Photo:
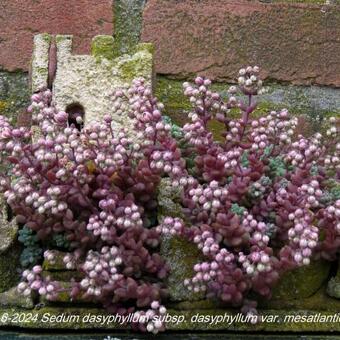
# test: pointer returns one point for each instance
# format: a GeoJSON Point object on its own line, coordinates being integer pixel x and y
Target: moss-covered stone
{"type": "Point", "coordinates": [8, 227]}
{"type": "Point", "coordinates": [61, 275]}
{"type": "Point", "coordinates": [9, 265]}
{"type": "Point", "coordinates": [64, 296]}
{"type": "Point", "coordinates": [102, 47]}
{"type": "Point", "coordinates": [302, 282]}
{"type": "Point", "coordinates": [169, 200]}
{"type": "Point", "coordinates": [333, 286]}
{"type": "Point", "coordinates": [140, 63]}
{"type": "Point", "coordinates": [320, 301]}
{"type": "Point", "coordinates": [128, 24]}
{"type": "Point", "coordinates": [57, 264]}
{"type": "Point", "coordinates": [11, 298]}
{"type": "Point", "coordinates": [181, 256]}
{"type": "Point", "coordinates": [40, 61]}
{"type": "Point", "coordinates": [14, 94]}
{"type": "Point", "coordinates": [9, 249]}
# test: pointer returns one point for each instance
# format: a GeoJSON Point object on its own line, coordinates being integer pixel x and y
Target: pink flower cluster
{"type": "Point", "coordinates": [33, 281]}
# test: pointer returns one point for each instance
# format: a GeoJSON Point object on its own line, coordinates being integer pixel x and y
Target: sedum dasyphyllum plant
{"type": "Point", "coordinates": [263, 201]}
{"type": "Point", "coordinates": [94, 191]}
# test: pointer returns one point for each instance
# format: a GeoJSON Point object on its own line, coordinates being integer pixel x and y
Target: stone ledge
{"type": "Point", "coordinates": [46, 319]}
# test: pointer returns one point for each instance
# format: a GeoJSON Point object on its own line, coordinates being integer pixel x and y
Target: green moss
{"type": "Point", "coordinates": [9, 265]}
{"type": "Point", "coordinates": [170, 93]}
{"type": "Point", "coordinates": [66, 275]}
{"type": "Point", "coordinates": [11, 298]}
{"type": "Point", "coordinates": [181, 256]}
{"type": "Point", "coordinates": [147, 47]}
{"type": "Point", "coordinates": [61, 37]}
{"type": "Point", "coordinates": [302, 282]}
{"type": "Point", "coordinates": [216, 128]}
{"type": "Point", "coordinates": [102, 47]}
{"type": "Point", "coordinates": [57, 264]}
{"type": "Point", "coordinates": [3, 107]}
{"type": "Point", "coordinates": [14, 94]}
{"type": "Point", "coordinates": [63, 298]}
{"type": "Point", "coordinates": [320, 301]}
{"type": "Point", "coordinates": [169, 200]}
{"type": "Point", "coordinates": [128, 25]}
{"type": "Point", "coordinates": [177, 105]}
{"type": "Point", "coordinates": [46, 37]}
{"type": "Point", "coordinates": [135, 65]}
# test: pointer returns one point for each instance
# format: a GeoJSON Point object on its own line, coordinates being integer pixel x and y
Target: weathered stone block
{"type": "Point", "coordinates": [60, 275]}
{"type": "Point", "coordinates": [63, 297]}
{"type": "Point", "coordinates": [11, 298]}
{"type": "Point", "coordinates": [102, 47]}
{"type": "Point", "coordinates": [57, 264]}
{"type": "Point", "coordinates": [9, 249]}
{"type": "Point", "coordinates": [9, 264]}
{"type": "Point", "coordinates": [180, 255]}
{"type": "Point", "coordinates": [169, 200]}
{"type": "Point", "coordinates": [128, 24]}
{"type": "Point", "coordinates": [302, 282]}
{"type": "Point", "coordinates": [333, 286]}
{"type": "Point", "coordinates": [8, 227]}
{"type": "Point", "coordinates": [14, 96]}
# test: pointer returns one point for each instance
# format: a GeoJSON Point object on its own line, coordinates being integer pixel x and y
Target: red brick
{"type": "Point", "coordinates": [298, 43]}
{"type": "Point", "coordinates": [20, 20]}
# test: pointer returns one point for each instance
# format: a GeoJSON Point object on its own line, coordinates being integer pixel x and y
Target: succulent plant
{"type": "Point", "coordinates": [258, 200]}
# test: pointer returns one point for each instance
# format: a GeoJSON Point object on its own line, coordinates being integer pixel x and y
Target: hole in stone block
{"type": "Point", "coordinates": [74, 111]}
{"type": "Point", "coordinates": [9, 213]}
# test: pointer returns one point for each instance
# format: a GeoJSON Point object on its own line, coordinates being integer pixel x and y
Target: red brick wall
{"type": "Point", "coordinates": [297, 43]}
{"type": "Point", "coordinates": [21, 19]}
